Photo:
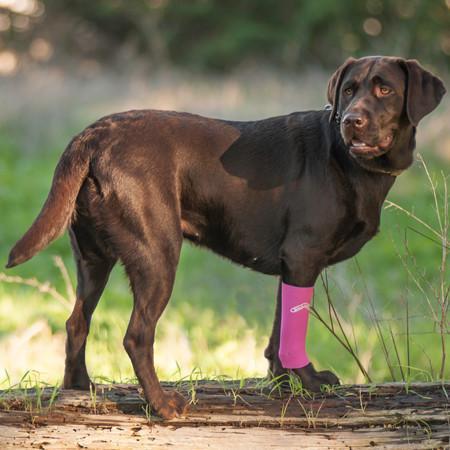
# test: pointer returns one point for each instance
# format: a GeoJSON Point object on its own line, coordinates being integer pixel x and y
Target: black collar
{"type": "Point", "coordinates": [337, 116]}
{"type": "Point", "coordinates": [369, 168]}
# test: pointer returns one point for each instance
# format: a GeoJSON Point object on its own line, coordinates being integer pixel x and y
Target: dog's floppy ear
{"type": "Point", "coordinates": [424, 91]}
{"type": "Point", "coordinates": [334, 86]}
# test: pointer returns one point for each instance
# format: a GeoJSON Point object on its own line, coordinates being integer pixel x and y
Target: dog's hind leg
{"type": "Point", "coordinates": [151, 268]}
{"type": "Point", "coordinates": [93, 267]}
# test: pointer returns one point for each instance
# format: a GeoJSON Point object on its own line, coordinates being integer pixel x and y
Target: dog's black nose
{"type": "Point", "coordinates": [357, 120]}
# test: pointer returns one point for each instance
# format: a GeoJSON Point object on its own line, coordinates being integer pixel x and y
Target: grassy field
{"type": "Point", "coordinates": [219, 317]}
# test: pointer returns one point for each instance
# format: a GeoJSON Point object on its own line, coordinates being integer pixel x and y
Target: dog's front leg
{"type": "Point", "coordinates": [291, 317]}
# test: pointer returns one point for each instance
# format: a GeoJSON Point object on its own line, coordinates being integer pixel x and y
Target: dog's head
{"type": "Point", "coordinates": [378, 98]}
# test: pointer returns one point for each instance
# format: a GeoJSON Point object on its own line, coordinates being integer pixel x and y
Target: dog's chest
{"type": "Point", "coordinates": [356, 229]}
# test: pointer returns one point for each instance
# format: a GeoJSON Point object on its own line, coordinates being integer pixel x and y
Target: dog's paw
{"type": "Point", "coordinates": [172, 405]}
{"type": "Point", "coordinates": [328, 378]}
{"type": "Point", "coordinates": [313, 380]}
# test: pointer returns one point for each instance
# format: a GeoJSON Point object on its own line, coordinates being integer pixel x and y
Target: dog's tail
{"type": "Point", "coordinates": [57, 211]}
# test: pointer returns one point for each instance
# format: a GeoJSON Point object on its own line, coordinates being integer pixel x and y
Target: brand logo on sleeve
{"type": "Point", "coordinates": [298, 308]}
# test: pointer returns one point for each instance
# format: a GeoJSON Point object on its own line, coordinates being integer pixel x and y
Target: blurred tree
{"type": "Point", "coordinates": [219, 35]}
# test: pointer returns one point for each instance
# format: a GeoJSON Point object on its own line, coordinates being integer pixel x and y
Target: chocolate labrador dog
{"type": "Point", "coordinates": [285, 196]}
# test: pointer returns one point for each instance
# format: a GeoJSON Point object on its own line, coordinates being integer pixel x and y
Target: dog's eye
{"type": "Point", "coordinates": [384, 90]}
{"type": "Point", "coordinates": [348, 91]}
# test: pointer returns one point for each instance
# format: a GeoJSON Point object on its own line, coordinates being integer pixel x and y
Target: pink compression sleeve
{"type": "Point", "coordinates": [295, 303]}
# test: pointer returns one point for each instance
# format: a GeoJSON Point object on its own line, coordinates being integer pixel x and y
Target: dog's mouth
{"type": "Point", "coordinates": [359, 148]}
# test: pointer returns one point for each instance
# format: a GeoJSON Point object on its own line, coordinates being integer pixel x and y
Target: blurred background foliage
{"type": "Point", "coordinates": [221, 35]}
{"type": "Point", "coordinates": [63, 64]}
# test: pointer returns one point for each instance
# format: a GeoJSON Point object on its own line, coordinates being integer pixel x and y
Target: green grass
{"type": "Point", "coordinates": [220, 315]}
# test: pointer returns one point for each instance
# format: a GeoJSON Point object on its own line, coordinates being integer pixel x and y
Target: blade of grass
{"type": "Point", "coordinates": [376, 322]}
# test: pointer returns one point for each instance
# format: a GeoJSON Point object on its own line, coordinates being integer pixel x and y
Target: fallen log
{"type": "Point", "coordinates": [230, 414]}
